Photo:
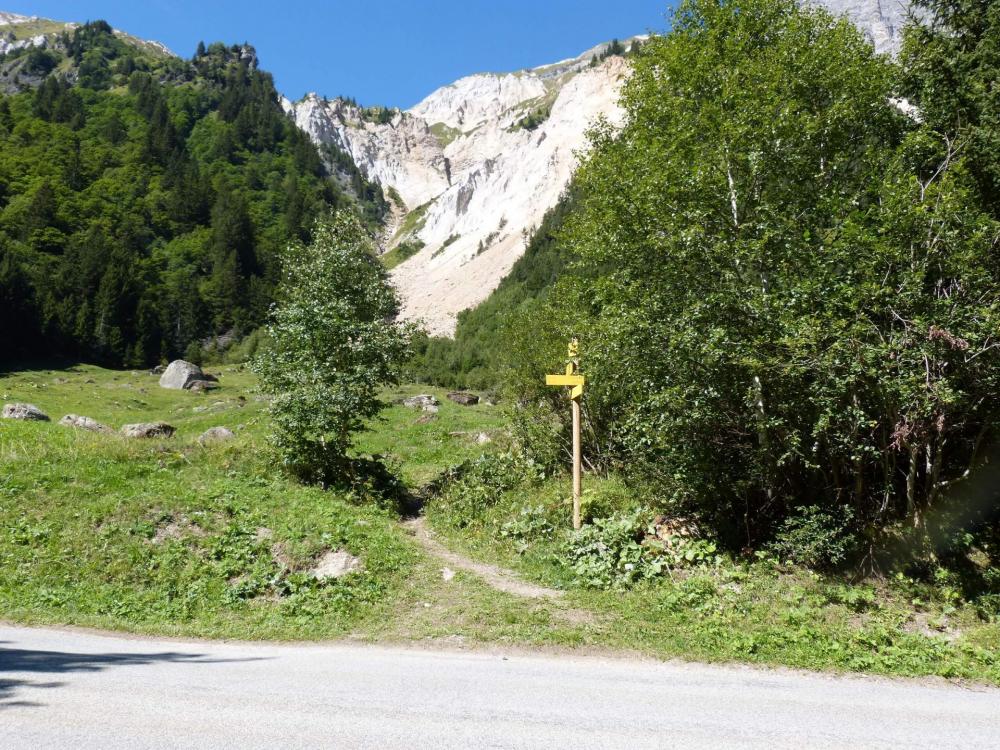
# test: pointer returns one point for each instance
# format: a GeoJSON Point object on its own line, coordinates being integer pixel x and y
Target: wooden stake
{"type": "Point", "coordinates": [574, 381]}
{"type": "Point", "coordinates": [577, 469]}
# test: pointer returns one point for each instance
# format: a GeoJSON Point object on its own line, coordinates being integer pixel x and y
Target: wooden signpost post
{"type": "Point", "coordinates": [574, 380]}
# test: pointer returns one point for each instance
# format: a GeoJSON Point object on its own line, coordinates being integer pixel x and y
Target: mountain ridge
{"type": "Point", "coordinates": [475, 166]}
{"type": "Point", "coordinates": [471, 169]}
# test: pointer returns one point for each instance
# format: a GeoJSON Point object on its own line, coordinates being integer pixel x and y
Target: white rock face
{"type": "Point", "coordinates": [478, 179]}
{"type": "Point", "coordinates": [474, 100]}
{"type": "Point", "coordinates": [9, 44]}
{"type": "Point", "coordinates": [12, 19]}
{"type": "Point", "coordinates": [881, 21]}
{"type": "Point", "coordinates": [403, 154]}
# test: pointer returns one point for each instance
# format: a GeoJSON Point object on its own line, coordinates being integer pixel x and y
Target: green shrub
{"type": "Point", "coordinates": [331, 345]}
{"type": "Point", "coordinates": [784, 334]}
{"type": "Point", "coordinates": [609, 552]}
{"type": "Point", "coordinates": [815, 537]}
{"type": "Point", "coordinates": [531, 524]}
{"type": "Point", "coordinates": [474, 487]}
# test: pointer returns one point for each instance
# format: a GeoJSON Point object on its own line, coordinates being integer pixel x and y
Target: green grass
{"type": "Point", "coordinates": [757, 612]}
{"type": "Point", "coordinates": [39, 27]}
{"type": "Point", "coordinates": [421, 446]}
{"type": "Point", "coordinates": [401, 253]}
{"type": "Point", "coordinates": [174, 538]}
{"type": "Point", "coordinates": [444, 133]}
{"type": "Point", "coordinates": [167, 536]}
{"type": "Point", "coordinates": [413, 222]}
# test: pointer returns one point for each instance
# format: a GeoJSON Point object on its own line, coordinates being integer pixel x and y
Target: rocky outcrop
{"type": "Point", "coordinates": [148, 430]}
{"type": "Point", "coordinates": [216, 435]}
{"type": "Point", "coordinates": [20, 32]}
{"type": "Point", "coordinates": [463, 398]}
{"type": "Point", "coordinates": [475, 181]}
{"type": "Point", "coordinates": [336, 564]}
{"type": "Point", "coordinates": [423, 402]}
{"type": "Point", "coordinates": [84, 423]}
{"type": "Point", "coordinates": [473, 178]}
{"type": "Point", "coordinates": [26, 412]}
{"type": "Point", "coordinates": [180, 374]}
{"type": "Point", "coordinates": [881, 21]}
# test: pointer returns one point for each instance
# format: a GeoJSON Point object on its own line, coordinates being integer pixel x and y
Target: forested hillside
{"type": "Point", "coordinates": [144, 198]}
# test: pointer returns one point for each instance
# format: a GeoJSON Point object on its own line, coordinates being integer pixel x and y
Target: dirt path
{"type": "Point", "coordinates": [496, 577]}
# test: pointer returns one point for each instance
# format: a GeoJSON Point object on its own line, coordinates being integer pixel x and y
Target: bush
{"type": "Point", "coordinates": [609, 553]}
{"type": "Point", "coordinates": [331, 344]}
{"type": "Point", "coordinates": [531, 524]}
{"type": "Point", "coordinates": [816, 538]}
{"type": "Point", "coordinates": [475, 486]}
{"type": "Point", "coordinates": [820, 332]}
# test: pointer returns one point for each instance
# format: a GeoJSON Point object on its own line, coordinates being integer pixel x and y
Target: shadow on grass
{"type": "Point", "coordinates": [20, 661]}
{"type": "Point", "coordinates": [370, 479]}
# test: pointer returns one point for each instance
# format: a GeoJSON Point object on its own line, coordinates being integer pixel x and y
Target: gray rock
{"type": "Point", "coordinates": [28, 412]}
{"type": "Point", "coordinates": [84, 423]}
{"type": "Point", "coordinates": [201, 386]}
{"type": "Point", "coordinates": [882, 23]}
{"type": "Point", "coordinates": [179, 373]}
{"type": "Point", "coordinates": [216, 435]}
{"type": "Point", "coordinates": [463, 398]}
{"type": "Point", "coordinates": [336, 564]}
{"type": "Point", "coordinates": [148, 430]}
{"type": "Point", "coordinates": [423, 401]}
{"type": "Point", "coordinates": [158, 370]}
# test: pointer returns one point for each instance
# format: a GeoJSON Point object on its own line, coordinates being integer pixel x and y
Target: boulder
{"type": "Point", "coordinates": [210, 376]}
{"type": "Point", "coordinates": [158, 370]}
{"type": "Point", "coordinates": [148, 430]}
{"type": "Point", "coordinates": [336, 564]}
{"type": "Point", "coordinates": [423, 401]}
{"type": "Point", "coordinates": [216, 435]}
{"type": "Point", "coordinates": [28, 412]}
{"type": "Point", "coordinates": [200, 386]}
{"type": "Point", "coordinates": [84, 423]}
{"type": "Point", "coordinates": [179, 373]}
{"type": "Point", "coordinates": [463, 398]}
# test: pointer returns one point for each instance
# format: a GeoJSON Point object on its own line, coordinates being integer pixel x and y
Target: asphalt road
{"type": "Point", "coordinates": [80, 690]}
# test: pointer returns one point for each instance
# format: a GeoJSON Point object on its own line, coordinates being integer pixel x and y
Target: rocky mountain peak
{"type": "Point", "coordinates": [474, 167]}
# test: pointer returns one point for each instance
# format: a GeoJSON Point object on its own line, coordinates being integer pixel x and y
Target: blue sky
{"type": "Point", "coordinates": [392, 52]}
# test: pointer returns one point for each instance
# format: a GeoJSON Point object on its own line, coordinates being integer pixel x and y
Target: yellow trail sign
{"type": "Point", "coordinates": [575, 381]}
{"type": "Point", "coordinates": [564, 380]}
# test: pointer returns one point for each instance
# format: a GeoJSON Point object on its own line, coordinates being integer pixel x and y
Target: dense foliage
{"type": "Point", "coordinates": [951, 65]}
{"type": "Point", "coordinates": [144, 199]}
{"type": "Point", "coordinates": [787, 289]}
{"type": "Point", "coordinates": [331, 346]}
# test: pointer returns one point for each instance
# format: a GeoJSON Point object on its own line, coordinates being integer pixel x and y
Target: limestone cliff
{"type": "Point", "coordinates": [476, 165]}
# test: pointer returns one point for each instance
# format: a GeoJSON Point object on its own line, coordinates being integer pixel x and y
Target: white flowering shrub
{"type": "Point", "coordinates": [332, 342]}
